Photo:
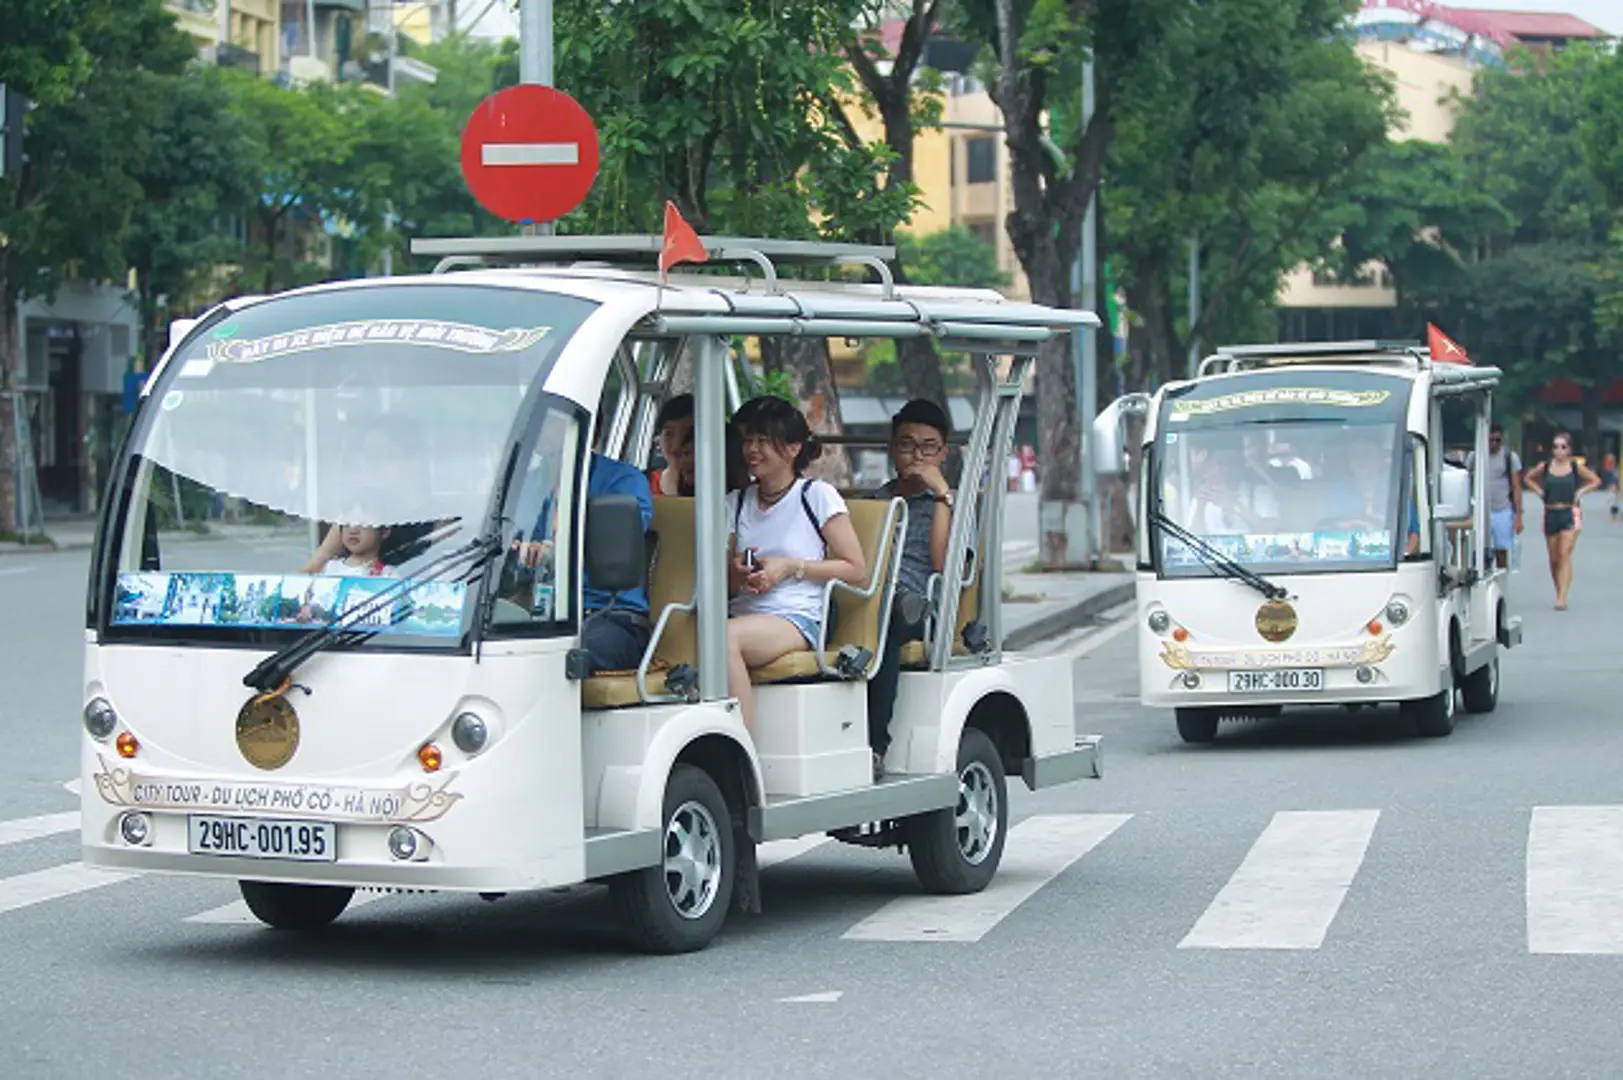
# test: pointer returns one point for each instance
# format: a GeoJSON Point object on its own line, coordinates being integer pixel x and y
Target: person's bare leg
{"type": "Point", "coordinates": [754, 641]}
{"type": "Point", "coordinates": [1566, 542]}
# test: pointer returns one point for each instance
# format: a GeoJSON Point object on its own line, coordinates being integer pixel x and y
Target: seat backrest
{"type": "Point", "coordinates": [857, 618]}
{"type": "Point", "coordinates": [672, 579]}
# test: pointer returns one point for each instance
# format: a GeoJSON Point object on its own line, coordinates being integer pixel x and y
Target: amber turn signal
{"type": "Point", "coordinates": [431, 757]}
{"type": "Point", "coordinates": [1374, 626]}
{"type": "Point", "coordinates": [127, 746]}
{"type": "Point", "coordinates": [1180, 634]}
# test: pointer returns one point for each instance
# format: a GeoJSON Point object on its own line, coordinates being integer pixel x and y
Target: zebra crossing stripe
{"type": "Point", "coordinates": [1036, 851]}
{"type": "Point", "coordinates": [19, 830]}
{"type": "Point", "coordinates": [1575, 880]}
{"type": "Point", "coordinates": [52, 883]}
{"type": "Point", "coordinates": [1291, 885]}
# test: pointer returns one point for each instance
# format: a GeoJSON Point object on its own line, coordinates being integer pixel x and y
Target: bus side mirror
{"type": "Point", "coordinates": [178, 329]}
{"type": "Point", "coordinates": [616, 547]}
{"type": "Point", "coordinates": [1109, 454]}
{"type": "Point", "coordinates": [1454, 494]}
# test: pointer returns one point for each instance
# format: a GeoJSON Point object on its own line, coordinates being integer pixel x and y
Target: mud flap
{"type": "Point", "coordinates": [747, 882]}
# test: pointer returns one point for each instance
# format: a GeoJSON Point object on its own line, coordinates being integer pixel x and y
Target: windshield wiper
{"type": "Point", "coordinates": [1215, 559]}
{"type": "Point", "coordinates": [272, 672]}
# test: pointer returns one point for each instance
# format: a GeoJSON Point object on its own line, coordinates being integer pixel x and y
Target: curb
{"type": "Point", "coordinates": [1069, 617]}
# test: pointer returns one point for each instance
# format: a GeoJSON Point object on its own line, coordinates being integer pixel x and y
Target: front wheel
{"type": "Point", "coordinates": [956, 850]}
{"type": "Point", "coordinates": [1197, 725]}
{"type": "Point", "coordinates": [295, 907]}
{"type": "Point", "coordinates": [1480, 689]}
{"type": "Point", "coordinates": [679, 905]}
{"type": "Point", "coordinates": [1433, 717]}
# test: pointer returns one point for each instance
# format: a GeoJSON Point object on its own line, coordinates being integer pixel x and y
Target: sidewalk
{"type": "Point", "coordinates": [1038, 606]}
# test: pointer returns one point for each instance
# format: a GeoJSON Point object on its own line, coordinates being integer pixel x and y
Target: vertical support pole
{"type": "Point", "coordinates": [1194, 303]}
{"type": "Point", "coordinates": [710, 512]}
{"type": "Point", "coordinates": [535, 64]}
{"type": "Point", "coordinates": [309, 26]}
{"type": "Point", "coordinates": [222, 28]}
{"type": "Point", "coordinates": [973, 498]}
{"type": "Point", "coordinates": [1085, 345]}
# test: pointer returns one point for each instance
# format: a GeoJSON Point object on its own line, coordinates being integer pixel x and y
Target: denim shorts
{"type": "Point", "coordinates": [808, 627]}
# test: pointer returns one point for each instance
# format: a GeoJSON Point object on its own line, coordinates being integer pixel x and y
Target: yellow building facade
{"type": "Point", "coordinates": [255, 28]}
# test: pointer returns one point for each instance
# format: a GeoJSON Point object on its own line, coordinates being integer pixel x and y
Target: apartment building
{"type": "Point", "coordinates": [236, 33]}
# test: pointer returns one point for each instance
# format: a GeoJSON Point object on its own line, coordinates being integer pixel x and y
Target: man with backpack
{"type": "Point", "coordinates": [1504, 495]}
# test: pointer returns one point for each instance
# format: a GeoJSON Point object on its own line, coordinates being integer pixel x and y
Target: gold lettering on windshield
{"type": "Point", "coordinates": [1283, 395]}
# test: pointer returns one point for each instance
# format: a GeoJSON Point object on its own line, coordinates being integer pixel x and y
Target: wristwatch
{"type": "Point", "coordinates": [944, 497]}
{"type": "Point", "coordinates": [800, 570]}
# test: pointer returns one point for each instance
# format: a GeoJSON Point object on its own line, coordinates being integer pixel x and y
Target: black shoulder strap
{"type": "Point", "coordinates": [811, 516]}
{"type": "Point", "coordinates": [738, 510]}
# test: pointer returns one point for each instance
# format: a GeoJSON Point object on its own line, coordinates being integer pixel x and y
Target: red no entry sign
{"type": "Point", "coordinates": [529, 153]}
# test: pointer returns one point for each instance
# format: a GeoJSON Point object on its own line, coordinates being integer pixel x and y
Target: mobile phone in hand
{"type": "Point", "coordinates": [750, 562]}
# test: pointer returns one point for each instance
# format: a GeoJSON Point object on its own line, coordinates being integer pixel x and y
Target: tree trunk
{"type": "Point", "coordinates": [921, 371]}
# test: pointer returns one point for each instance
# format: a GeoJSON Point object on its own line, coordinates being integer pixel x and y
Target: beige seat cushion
{"type": "Point", "coordinates": [857, 619]}
{"type": "Point", "coordinates": [671, 582]}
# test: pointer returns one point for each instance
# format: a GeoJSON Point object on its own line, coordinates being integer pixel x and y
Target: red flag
{"type": "Point", "coordinates": [681, 243]}
{"type": "Point", "coordinates": [1444, 349]}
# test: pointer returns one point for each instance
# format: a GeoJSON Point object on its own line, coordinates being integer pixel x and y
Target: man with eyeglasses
{"type": "Point", "coordinates": [918, 449]}
{"type": "Point", "coordinates": [1504, 494]}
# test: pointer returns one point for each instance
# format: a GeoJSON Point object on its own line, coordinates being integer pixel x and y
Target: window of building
{"type": "Point", "coordinates": [981, 152]}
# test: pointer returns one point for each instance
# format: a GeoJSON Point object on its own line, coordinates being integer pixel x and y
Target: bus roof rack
{"type": "Point", "coordinates": [1372, 350]}
{"type": "Point", "coordinates": [640, 250]}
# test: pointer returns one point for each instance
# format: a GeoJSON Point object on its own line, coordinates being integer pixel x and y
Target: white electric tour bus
{"type": "Point", "coordinates": [255, 714]}
{"type": "Point", "coordinates": [1302, 540]}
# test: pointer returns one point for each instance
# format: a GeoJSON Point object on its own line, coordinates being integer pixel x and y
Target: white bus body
{"type": "Point", "coordinates": [451, 740]}
{"type": "Point", "coordinates": [1299, 595]}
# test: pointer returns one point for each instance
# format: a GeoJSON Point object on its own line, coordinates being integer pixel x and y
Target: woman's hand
{"type": "Point", "coordinates": [769, 571]}
{"type": "Point", "coordinates": [532, 554]}
{"type": "Point", "coordinates": [738, 574]}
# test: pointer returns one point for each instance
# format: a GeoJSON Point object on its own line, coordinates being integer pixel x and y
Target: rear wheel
{"type": "Point", "coordinates": [1197, 725]}
{"type": "Point", "coordinates": [1480, 689]}
{"type": "Point", "coordinates": [679, 905]}
{"type": "Point", "coordinates": [956, 850]}
{"type": "Point", "coordinates": [295, 907]}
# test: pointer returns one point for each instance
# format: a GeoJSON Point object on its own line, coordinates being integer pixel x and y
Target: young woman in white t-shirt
{"type": "Point", "coordinates": [789, 536]}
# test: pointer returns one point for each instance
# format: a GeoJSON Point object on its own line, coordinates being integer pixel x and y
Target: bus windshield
{"type": "Point", "coordinates": [1285, 474]}
{"type": "Point", "coordinates": [303, 454]}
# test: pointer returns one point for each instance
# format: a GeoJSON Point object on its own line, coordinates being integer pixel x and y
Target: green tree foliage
{"type": "Point", "coordinates": [953, 256]}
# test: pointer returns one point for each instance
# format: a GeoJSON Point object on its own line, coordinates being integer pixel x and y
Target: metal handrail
{"type": "Point", "coordinates": [896, 513]}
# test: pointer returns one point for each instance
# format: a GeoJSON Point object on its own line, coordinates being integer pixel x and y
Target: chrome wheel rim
{"type": "Point", "coordinates": [976, 816]}
{"type": "Point", "coordinates": [692, 860]}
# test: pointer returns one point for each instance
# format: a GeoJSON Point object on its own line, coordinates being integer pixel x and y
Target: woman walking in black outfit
{"type": "Point", "coordinates": [1561, 483]}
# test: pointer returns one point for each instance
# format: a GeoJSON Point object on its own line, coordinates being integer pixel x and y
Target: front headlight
{"type": "Point", "coordinates": [1159, 621]}
{"type": "Point", "coordinates": [1397, 612]}
{"type": "Point", "coordinates": [100, 718]}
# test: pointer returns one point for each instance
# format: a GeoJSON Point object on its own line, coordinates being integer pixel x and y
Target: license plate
{"type": "Point", "coordinates": [263, 838]}
{"type": "Point", "coordinates": [1241, 682]}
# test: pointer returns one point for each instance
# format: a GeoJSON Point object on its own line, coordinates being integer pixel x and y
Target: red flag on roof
{"type": "Point", "coordinates": [1444, 349]}
{"type": "Point", "coordinates": [681, 243]}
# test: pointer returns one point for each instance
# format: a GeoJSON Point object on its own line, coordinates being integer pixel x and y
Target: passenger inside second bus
{"type": "Point", "coordinates": [675, 428]}
{"type": "Point", "coordinates": [789, 536]}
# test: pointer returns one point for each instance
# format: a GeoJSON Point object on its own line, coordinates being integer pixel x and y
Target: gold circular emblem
{"type": "Point", "coordinates": [268, 732]}
{"type": "Point", "coordinates": [1276, 621]}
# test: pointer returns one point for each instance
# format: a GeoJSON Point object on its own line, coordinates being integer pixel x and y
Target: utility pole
{"type": "Point", "coordinates": [1194, 302]}
{"type": "Point", "coordinates": [535, 63]}
{"type": "Point", "coordinates": [1085, 345]}
{"type": "Point", "coordinates": [222, 28]}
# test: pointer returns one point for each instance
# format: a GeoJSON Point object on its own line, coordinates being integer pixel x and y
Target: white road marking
{"type": "Point", "coordinates": [13, 571]}
{"type": "Point", "coordinates": [52, 883]}
{"type": "Point", "coordinates": [236, 913]}
{"type": "Point", "coordinates": [1291, 884]}
{"type": "Point", "coordinates": [1575, 880]}
{"type": "Point", "coordinates": [825, 997]}
{"type": "Point", "coordinates": [529, 154]}
{"type": "Point", "coordinates": [71, 786]}
{"type": "Point", "coordinates": [1037, 850]}
{"type": "Point", "coordinates": [18, 830]}
{"type": "Point", "coordinates": [780, 851]}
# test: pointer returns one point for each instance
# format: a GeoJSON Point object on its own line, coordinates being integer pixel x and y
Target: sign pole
{"type": "Point", "coordinates": [535, 65]}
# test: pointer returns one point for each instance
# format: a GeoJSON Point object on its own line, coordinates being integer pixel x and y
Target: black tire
{"type": "Point", "coordinates": [949, 848]}
{"type": "Point", "coordinates": [1197, 725]}
{"type": "Point", "coordinates": [1479, 691]}
{"type": "Point", "coordinates": [295, 907]}
{"type": "Point", "coordinates": [663, 909]}
{"type": "Point", "coordinates": [1432, 717]}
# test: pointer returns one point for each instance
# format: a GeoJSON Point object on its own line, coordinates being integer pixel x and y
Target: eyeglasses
{"type": "Point", "coordinates": [927, 448]}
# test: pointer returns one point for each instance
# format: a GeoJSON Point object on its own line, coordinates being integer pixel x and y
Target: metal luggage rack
{"type": "Point", "coordinates": [1230, 358]}
{"type": "Point", "coordinates": [641, 252]}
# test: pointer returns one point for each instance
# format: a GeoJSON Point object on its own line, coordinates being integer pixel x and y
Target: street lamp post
{"type": "Point", "coordinates": [1085, 345]}
{"type": "Point", "coordinates": [535, 62]}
